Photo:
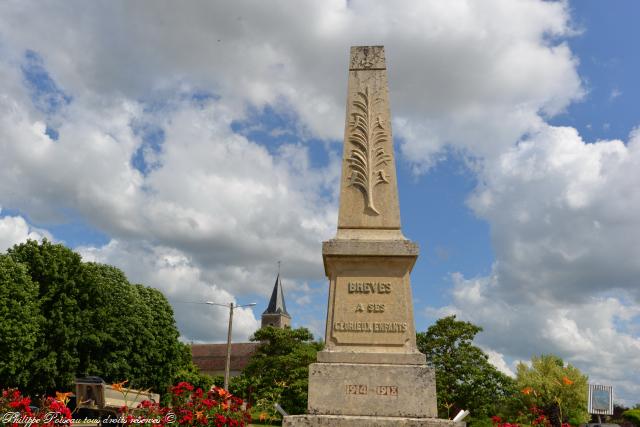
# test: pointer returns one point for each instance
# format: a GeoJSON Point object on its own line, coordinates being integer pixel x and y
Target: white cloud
{"type": "Point", "coordinates": [497, 360]}
{"type": "Point", "coordinates": [264, 53]}
{"type": "Point", "coordinates": [563, 212]}
{"type": "Point", "coordinates": [15, 230]}
{"type": "Point", "coordinates": [565, 233]}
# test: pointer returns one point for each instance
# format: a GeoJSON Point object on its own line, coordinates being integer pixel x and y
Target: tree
{"type": "Point", "coordinates": [92, 321]}
{"type": "Point", "coordinates": [55, 269]}
{"type": "Point", "coordinates": [559, 390]}
{"type": "Point", "coordinates": [279, 369]}
{"type": "Point", "coordinates": [464, 377]}
{"type": "Point", "coordinates": [21, 320]}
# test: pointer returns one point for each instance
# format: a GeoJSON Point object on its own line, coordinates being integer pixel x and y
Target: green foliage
{"type": "Point", "coordinates": [559, 390]}
{"type": "Point", "coordinates": [278, 371]}
{"type": "Point", "coordinates": [464, 377]}
{"type": "Point", "coordinates": [479, 421]}
{"type": "Point", "coordinates": [633, 416]}
{"type": "Point", "coordinates": [90, 321]}
{"type": "Point", "coordinates": [56, 270]}
{"type": "Point", "coordinates": [190, 373]}
{"type": "Point", "coordinates": [20, 324]}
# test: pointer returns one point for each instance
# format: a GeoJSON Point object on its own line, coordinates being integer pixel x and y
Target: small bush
{"type": "Point", "coordinates": [633, 416]}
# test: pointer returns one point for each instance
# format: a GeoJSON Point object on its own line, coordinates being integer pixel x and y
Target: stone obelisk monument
{"type": "Point", "coordinates": [370, 372]}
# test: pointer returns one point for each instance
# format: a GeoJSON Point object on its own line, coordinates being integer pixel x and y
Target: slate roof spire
{"type": "Point", "coordinates": [276, 303]}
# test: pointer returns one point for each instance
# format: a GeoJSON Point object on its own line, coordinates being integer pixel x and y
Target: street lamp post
{"type": "Point", "coordinates": [227, 365]}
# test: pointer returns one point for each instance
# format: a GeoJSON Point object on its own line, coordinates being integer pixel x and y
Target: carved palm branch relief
{"type": "Point", "coordinates": [368, 160]}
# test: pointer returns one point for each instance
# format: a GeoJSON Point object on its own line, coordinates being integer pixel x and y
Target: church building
{"type": "Point", "coordinates": [276, 313]}
{"type": "Point", "coordinates": [211, 358]}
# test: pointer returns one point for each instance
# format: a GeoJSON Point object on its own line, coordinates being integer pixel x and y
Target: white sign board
{"type": "Point", "coordinates": [600, 399]}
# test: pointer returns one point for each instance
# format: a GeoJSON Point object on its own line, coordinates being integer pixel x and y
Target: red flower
{"type": "Point", "coordinates": [23, 403]}
{"type": "Point", "coordinates": [187, 416]}
{"type": "Point", "coordinates": [496, 419]}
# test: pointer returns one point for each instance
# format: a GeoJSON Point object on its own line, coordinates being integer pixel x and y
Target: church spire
{"type": "Point", "coordinates": [276, 303]}
{"type": "Point", "coordinates": [276, 313]}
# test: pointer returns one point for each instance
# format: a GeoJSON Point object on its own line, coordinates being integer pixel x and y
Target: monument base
{"type": "Point", "coordinates": [372, 389]}
{"type": "Point", "coordinates": [364, 421]}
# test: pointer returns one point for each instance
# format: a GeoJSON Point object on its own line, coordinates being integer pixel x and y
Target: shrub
{"type": "Point", "coordinates": [633, 416]}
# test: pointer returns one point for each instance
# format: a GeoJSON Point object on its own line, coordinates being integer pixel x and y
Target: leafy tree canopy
{"type": "Point", "coordinates": [464, 377]}
{"type": "Point", "coordinates": [86, 319]}
{"type": "Point", "coordinates": [279, 370]}
{"type": "Point", "coordinates": [20, 321]}
{"type": "Point", "coordinates": [559, 390]}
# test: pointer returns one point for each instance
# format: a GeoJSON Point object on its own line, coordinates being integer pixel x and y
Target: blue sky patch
{"type": "Point", "coordinates": [45, 93]}
{"type": "Point", "coordinates": [608, 68]}
{"type": "Point", "coordinates": [202, 97]}
{"type": "Point", "coordinates": [269, 126]}
{"type": "Point", "coordinates": [52, 133]}
{"type": "Point", "coordinates": [73, 232]}
{"type": "Point", "coordinates": [153, 136]}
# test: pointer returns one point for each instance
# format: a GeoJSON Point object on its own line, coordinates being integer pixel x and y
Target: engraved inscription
{"type": "Point", "coordinates": [356, 389]}
{"type": "Point", "coordinates": [368, 160]}
{"type": "Point", "coordinates": [368, 310]}
{"type": "Point", "coordinates": [376, 327]}
{"type": "Point", "coordinates": [362, 389]}
{"type": "Point", "coordinates": [387, 390]}
{"type": "Point", "coordinates": [369, 287]}
{"type": "Point", "coordinates": [371, 308]}
{"type": "Point", "coordinates": [375, 308]}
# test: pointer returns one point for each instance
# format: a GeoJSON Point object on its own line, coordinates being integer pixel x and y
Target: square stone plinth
{"type": "Point", "coordinates": [364, 421]}
{"type": "Point", "coordinates": [372, 390]}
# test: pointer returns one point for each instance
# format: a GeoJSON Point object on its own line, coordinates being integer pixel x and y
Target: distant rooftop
{"type": "Point", "coordinates": [211, 358]}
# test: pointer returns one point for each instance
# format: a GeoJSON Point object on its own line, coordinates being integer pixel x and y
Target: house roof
{"type": "Point", "coordinates": [212, 357]}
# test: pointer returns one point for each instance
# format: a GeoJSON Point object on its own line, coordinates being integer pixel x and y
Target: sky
{"type": "Point", "coordinates": [195, 145]}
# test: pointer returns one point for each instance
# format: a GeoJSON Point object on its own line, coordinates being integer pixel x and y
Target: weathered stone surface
{"type": "Point", "coordinates": [370, 307]}
{"type": "Point", "coordinates": [371, 358]}
{"type": "Point", "coordinates": [364, 421]}
{"type": "Point", "coordinates": [369, 191]}
{"type": "Point", "coordinates": [370, 247]}
{"type": "Point", "coordinates": [380, 390]}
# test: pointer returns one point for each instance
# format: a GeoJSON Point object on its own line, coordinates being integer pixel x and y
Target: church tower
{"type": "Point", "coordinates": [276, 313]}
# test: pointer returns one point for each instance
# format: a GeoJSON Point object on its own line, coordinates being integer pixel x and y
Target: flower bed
{"type": "Point", "coordinates": [16, 410]}
{"type": "Point", "coordinates": [189, 406]}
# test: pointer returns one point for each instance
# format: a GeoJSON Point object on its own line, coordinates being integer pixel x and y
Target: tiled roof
{"type": "Point", "coordinates": [212, 357]}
